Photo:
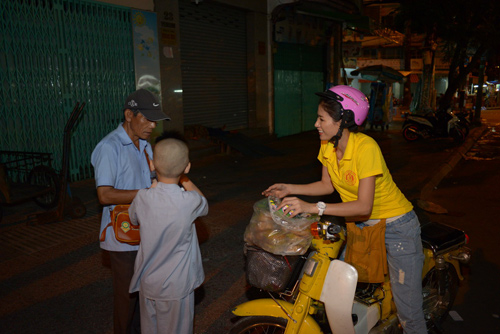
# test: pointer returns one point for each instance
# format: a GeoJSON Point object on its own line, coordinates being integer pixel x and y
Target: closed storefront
{"type": "Point", "coordinates": [299, 71]}
{"type": "Point", "coordinates": [298, 74]}
{"type": "Point", "coordinates": [213, 51]}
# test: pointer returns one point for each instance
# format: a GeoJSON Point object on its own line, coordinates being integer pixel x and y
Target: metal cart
{"type": "Point", "coordinates": [29, 175]}
{"type": "Point", "coordinates": [67, 204]}
{"type": "Point", "coordinates": [26, 176]}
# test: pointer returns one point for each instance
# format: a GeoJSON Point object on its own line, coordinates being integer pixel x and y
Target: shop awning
{"type": "Point", "coordinates": [348, 13]}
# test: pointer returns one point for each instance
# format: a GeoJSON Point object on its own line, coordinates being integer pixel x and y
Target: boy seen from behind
{"type": "Point", "coordinates": [168, 266]}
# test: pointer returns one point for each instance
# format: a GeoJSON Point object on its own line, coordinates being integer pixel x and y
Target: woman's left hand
{"type": "Point", "coordinates": [292, 206]}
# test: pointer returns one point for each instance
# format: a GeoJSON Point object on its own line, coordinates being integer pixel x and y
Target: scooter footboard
{"type": "Point", "coordinates": [268, 307]}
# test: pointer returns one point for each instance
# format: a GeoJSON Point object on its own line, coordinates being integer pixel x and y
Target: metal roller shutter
{"type": "Point", "coordinates": [54, 53]}
{"type": "Point", "coordinates": [214, 62]}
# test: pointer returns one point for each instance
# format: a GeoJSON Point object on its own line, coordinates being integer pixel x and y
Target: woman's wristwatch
{"type": "Point", "coordinates": [321, 207]}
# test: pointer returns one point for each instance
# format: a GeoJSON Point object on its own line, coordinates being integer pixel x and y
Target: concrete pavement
{"type": "Point", "coordinates": [448, 165]}
{"type": "Point", "coordinates": [54, 277]}
{"type": "Point", "coordinates": [470, 195]}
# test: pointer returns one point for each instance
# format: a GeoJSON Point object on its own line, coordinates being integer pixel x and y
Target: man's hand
{"type": "Point", "coordinates": [108, 195]}
{"type": "Point", "coordinates": [183, 179]}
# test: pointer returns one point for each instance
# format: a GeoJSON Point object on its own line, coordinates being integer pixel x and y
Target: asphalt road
{"type": "Point", "coordinates": [471, 195]}
{"type": "Point", "coordinates": [55, 279]}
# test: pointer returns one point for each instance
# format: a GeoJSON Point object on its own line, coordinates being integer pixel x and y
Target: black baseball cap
{"type": "Point", "coordinates": [147, 104]}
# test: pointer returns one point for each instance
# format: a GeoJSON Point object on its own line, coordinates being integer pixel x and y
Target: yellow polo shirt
{"type": "Point", "coordinates": [362, 159]}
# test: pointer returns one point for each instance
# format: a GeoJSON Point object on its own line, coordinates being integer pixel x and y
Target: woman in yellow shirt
{"type": "Point", "coordinates": [354, 166]}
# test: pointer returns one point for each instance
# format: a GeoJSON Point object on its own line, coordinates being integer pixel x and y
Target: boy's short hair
{"type": "Point", "coordinates": [171, 134]}
{"type": "Point", "coordinates": [171, 156]}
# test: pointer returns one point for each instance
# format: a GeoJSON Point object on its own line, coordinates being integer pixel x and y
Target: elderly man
{"type": "Point", "coordinates": [121, 165]}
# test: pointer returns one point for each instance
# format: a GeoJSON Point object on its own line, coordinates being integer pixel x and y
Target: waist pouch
{"type": "Point", "coordinates": [124, 231]}
{"type": "Point", "coordinates": [365, 251]}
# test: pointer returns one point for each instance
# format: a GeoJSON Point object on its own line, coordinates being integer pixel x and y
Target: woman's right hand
{"type": "Point", "coordinates": [278, 190]}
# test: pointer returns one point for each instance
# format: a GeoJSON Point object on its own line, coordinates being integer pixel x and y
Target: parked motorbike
{"type": "Point", "coordinates": [438, 124]}
{"type": "Point", "coordinates": [323, 296]}
{"type": "Point", "coordinates": [465, 117]}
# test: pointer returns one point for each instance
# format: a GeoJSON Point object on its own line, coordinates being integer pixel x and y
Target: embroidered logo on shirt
{"type": "Point", "coordinates": [125, 226]}
{"type": "Point", "coordinates": [350, 177]}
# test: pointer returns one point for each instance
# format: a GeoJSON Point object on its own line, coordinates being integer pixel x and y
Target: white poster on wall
{"type": "Point", "coordinates": [146, 53]}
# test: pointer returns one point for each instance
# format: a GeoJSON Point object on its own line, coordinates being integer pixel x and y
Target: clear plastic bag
{"type": "Point", "coordinates": [277, 233]}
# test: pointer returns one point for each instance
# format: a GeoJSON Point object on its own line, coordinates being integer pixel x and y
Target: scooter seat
{"type": "Point", "coordinates": [440, 238]}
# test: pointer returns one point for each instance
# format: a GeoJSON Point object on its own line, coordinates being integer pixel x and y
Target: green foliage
{"type": "Point", "coordinates": [464, 30]}
{"type": "Point", "coordinates": [465, 25]}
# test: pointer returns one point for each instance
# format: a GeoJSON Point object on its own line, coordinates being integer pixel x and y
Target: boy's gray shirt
{"type": "Point", "coordinates": [168, 264]}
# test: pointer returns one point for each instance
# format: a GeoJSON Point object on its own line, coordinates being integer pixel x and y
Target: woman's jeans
{"type": "Point", "coordinates": [405, 260]}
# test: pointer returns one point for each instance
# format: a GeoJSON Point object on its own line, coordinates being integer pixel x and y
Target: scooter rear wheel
{"type": "Point", "coordinates": [409, 132]}
{"type": "Point", "coordinates": [259, 324]}
{"type": "Point", "coordinates": [436, 307]}
{"type": "Point", "coordinates": [458, 133]}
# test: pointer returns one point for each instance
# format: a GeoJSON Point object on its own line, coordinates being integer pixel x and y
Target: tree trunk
{"type": "Point", "coordinates": [457, 74]}
{"type": "Point", "coordinates": [427, 81]}
{"type": "Point", "coordinates": [479, 95]}
{"type": "Point", "coordinates": [407, 59]}
{"type": "Point", "coordinates": [428, 73]}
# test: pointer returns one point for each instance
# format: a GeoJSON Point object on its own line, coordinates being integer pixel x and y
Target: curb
{"type": "Point", "coordinates": [452, 161]}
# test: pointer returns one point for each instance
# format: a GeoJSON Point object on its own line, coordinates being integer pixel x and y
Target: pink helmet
{"type": "Point", "coordinates": [350, 99]}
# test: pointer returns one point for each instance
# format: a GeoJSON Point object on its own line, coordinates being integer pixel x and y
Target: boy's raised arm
{"type": "Point", "coordinates": [189, 185]}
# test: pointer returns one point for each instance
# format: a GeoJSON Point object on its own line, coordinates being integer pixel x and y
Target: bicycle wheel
{"type": "Point", "coordinates": [47, 180]}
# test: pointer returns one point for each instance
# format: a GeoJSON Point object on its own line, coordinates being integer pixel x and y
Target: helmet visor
{"type": "Point", "coordinates": [328, 94]}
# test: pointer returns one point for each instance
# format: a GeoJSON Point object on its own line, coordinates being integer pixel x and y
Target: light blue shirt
{"type": "Point", "coordinates": [168, 265]}
{"type": "Point", "coordinates": [118, 163]}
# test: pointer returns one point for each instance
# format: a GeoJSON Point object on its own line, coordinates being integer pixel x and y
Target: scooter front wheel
{"type": "Point", "coordinates": [259, 324]}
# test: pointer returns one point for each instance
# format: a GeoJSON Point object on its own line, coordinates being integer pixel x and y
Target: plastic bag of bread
{"type": "Point", "coordinates": [275, 232]}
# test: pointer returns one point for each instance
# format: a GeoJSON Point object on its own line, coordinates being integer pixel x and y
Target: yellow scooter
{"type": "Point", "coordinates": [322, 294]}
